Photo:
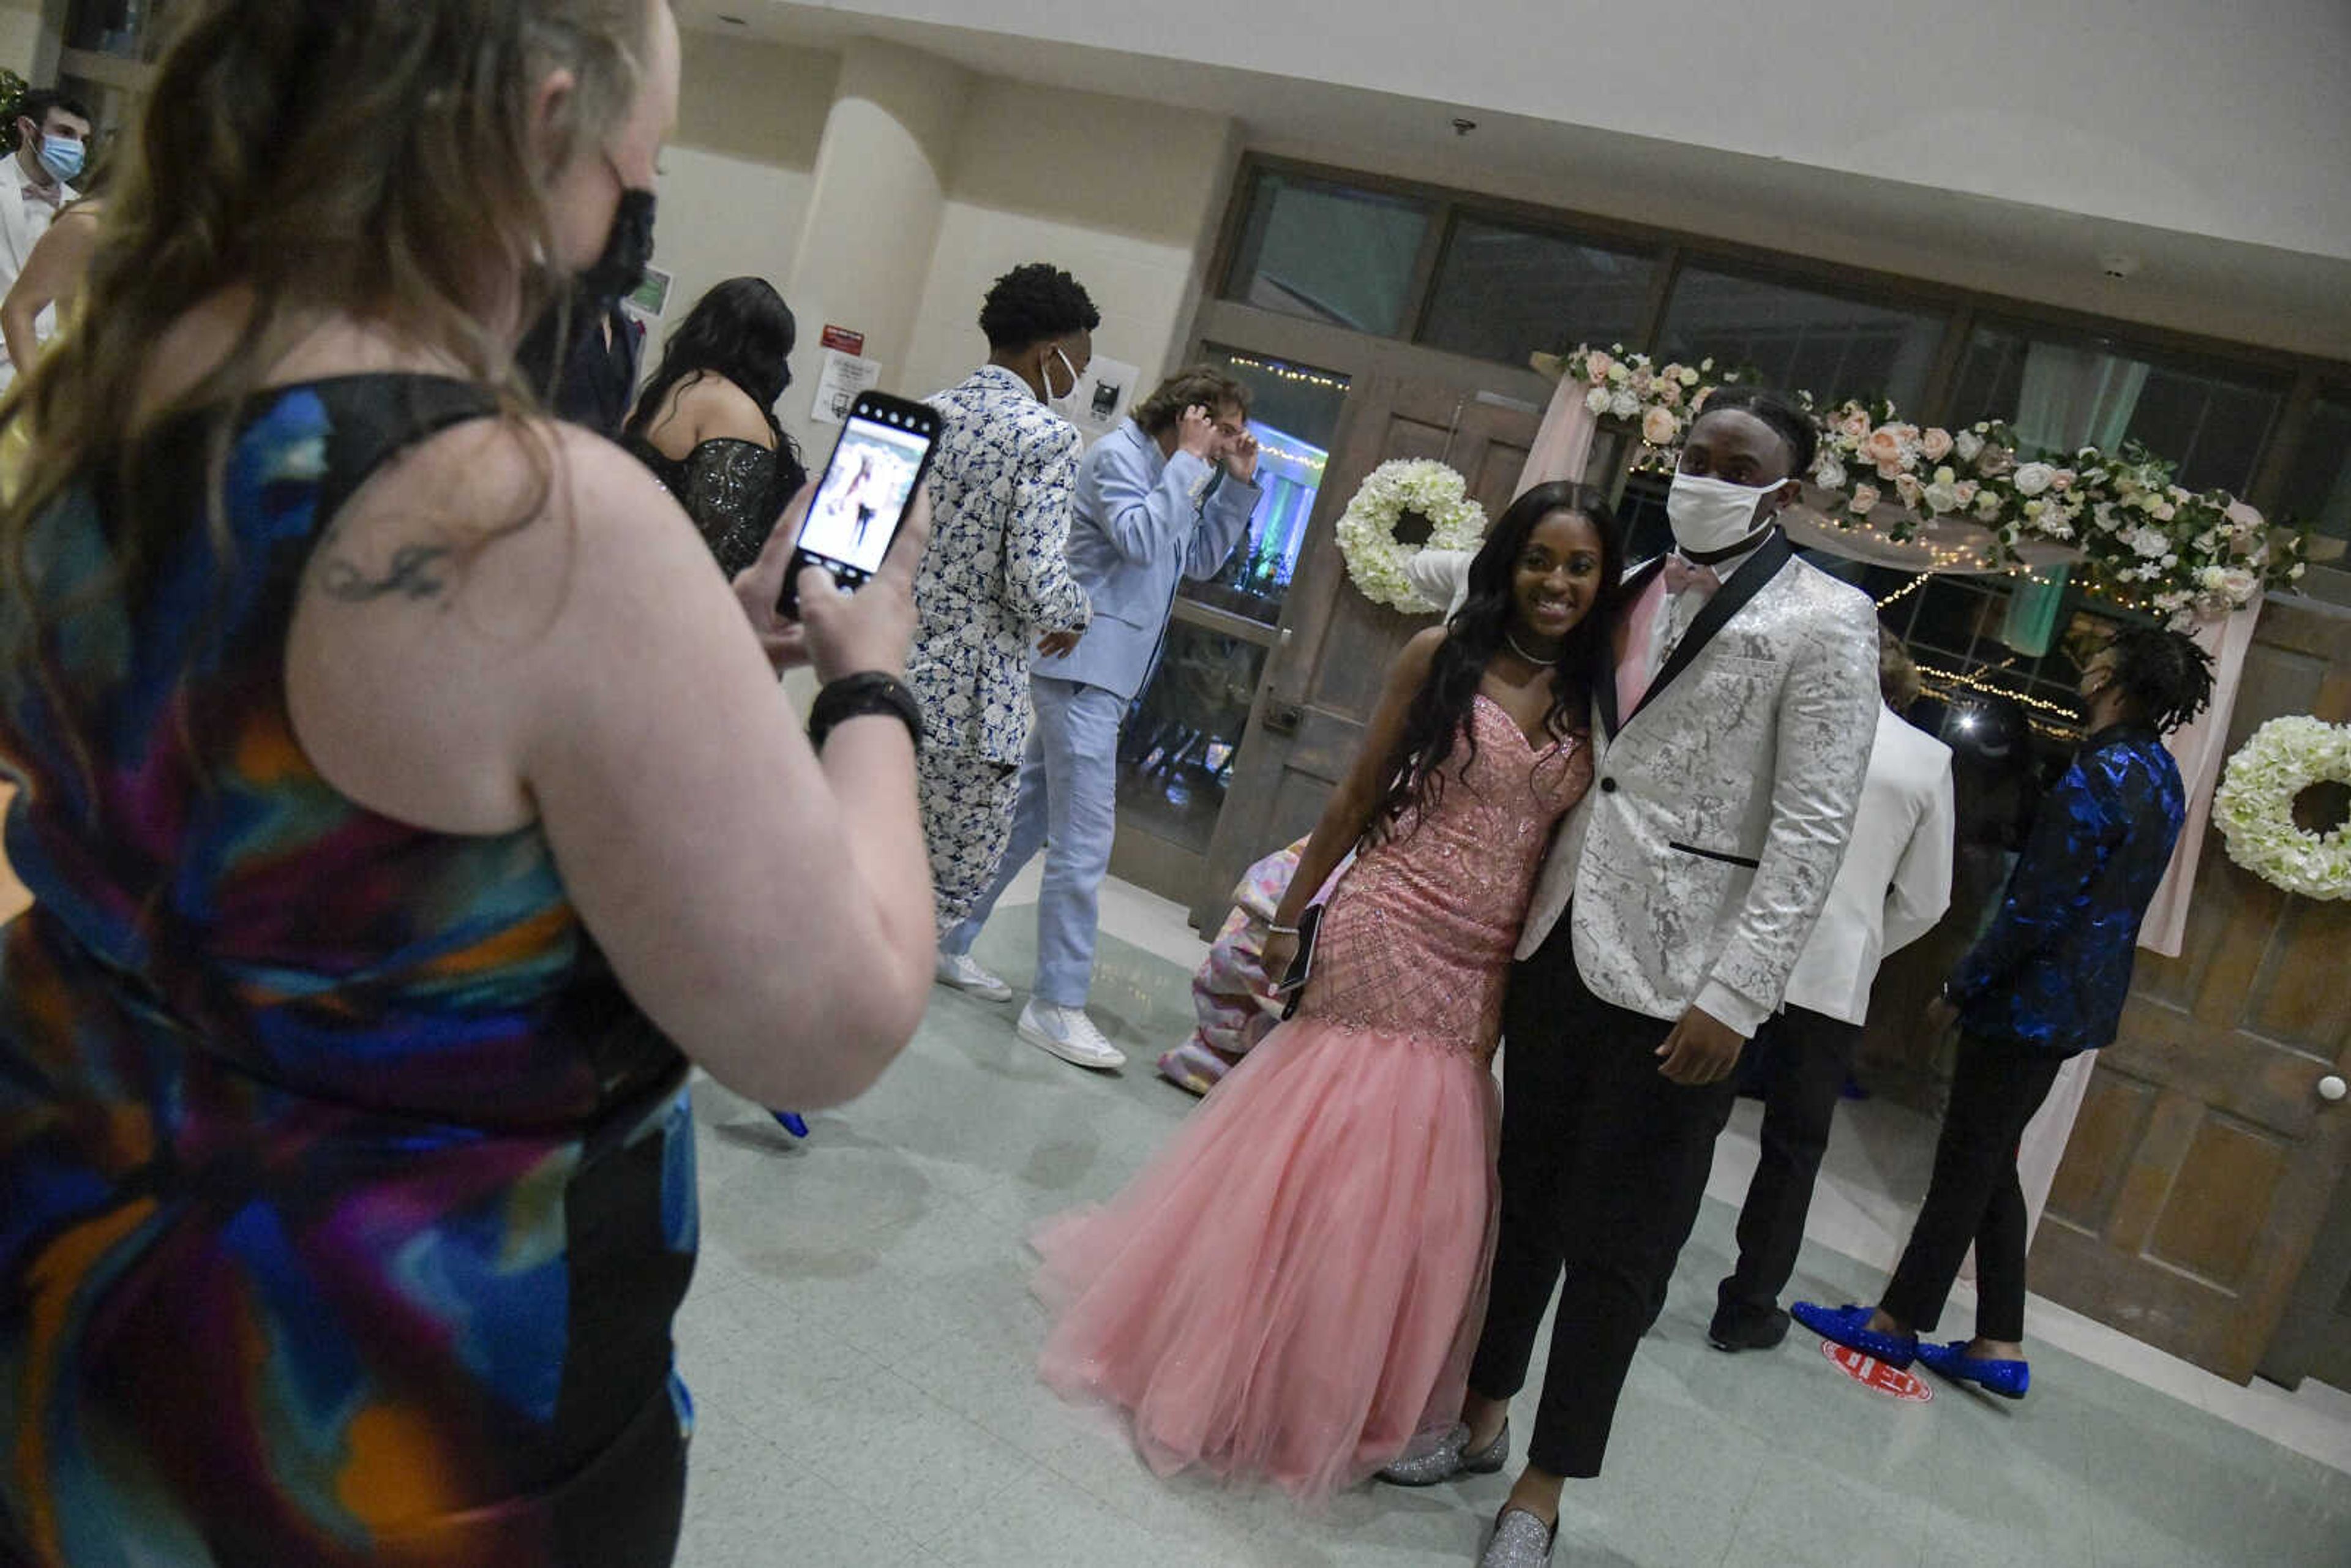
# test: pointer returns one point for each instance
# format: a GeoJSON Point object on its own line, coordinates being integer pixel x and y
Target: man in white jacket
{"type": "Point", "coordinates": [1892, 887]}
{"type": "Point", "coordinates": [36, 184]}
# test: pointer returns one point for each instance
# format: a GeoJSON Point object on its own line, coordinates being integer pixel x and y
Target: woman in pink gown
{"type": "Point", "coordinates": [1293, 1289]}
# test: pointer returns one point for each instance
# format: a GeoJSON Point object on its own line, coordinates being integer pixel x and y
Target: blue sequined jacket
{"type": "Point", "coordinates": [2053, 969]}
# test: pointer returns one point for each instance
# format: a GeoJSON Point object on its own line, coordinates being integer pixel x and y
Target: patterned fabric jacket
{"type": "Point", "coordinates": [1701, 859]}
{"type": "Point", "coordinates": [995, 577]}
{"type": "Point", "coordinates": [2055, 966]}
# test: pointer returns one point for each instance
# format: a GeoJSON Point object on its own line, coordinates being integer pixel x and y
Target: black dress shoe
{"type": "Point", "coordinates": [1736, 1328]}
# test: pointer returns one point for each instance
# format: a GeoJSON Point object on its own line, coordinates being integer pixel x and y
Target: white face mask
{"type": "Point", "coordinates": [1709, 514]}
{"type": "Point", "coordinates": [1059, 401]}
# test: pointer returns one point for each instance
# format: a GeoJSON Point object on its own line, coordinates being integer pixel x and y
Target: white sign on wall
{"type": "Point", "coordinates": [1104, 394]}
{"type": "Point", "coordinates": [838, 382]}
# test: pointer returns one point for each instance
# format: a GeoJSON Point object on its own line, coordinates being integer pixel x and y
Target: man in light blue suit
{"type": "Point", "coordinates": [1164, 497]}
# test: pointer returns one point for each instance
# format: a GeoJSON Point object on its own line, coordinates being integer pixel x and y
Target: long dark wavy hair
{"type": "Point", "coordinates": [743, 331]}
{"type": "Point", "coordinates": [1440, 710]}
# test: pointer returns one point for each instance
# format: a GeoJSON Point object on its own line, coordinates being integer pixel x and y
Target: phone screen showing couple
{"type": "Point", "coordinates": [861, 501]}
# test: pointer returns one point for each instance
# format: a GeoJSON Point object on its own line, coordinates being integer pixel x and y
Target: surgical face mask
{"type": "Point", "coordinates": [1711, 515]}
{"type": "Point", "coordinates": [61, 156]}
{"type": "Point", "coordinates": [628, 251]}
{"type": "Point", "coordinates": [1059, 401]}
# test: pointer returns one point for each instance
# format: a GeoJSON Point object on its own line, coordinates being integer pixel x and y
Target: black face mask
{"type": "Point", "coordinates": [628, 251]}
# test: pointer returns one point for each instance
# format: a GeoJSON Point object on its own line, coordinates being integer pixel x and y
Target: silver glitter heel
{"type": "Point", "coordinates": [1448, 1456]}
{"type": "Point", "coordinates": [1520, 1541]}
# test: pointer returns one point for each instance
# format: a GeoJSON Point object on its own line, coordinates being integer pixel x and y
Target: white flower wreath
{"type": "Point", "coordinates": [2254, 806]}
{"type": "Point", "coordinates": [1367, 540]}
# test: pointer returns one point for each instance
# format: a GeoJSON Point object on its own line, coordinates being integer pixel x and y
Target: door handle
{"type": "Point", "coordinates": [2332, 1088]}
{"type": "Point", "coordinates": [1283, 718]}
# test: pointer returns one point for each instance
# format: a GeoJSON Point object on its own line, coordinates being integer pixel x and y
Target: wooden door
{"type": "Point", "coordinates": [2203, 1165]}
{"type": "Point", "coordinates": [1336, 644]}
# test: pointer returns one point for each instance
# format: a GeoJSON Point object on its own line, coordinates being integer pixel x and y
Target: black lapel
{"type": "Point", "coordinates": [1634, 585]}
{"type": "Point", "coordinates": [1745, 583]}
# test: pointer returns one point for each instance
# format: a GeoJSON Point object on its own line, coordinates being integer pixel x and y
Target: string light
{"type": "Point", "coordinates": [1280, 371]}
{"type": "Point", "coordinates": [1905, 590]}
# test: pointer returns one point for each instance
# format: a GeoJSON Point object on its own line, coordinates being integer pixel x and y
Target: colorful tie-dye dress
{"type": "Point", "coordinates": [347, 1197]}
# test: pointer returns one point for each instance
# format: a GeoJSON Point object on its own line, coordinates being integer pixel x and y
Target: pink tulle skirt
{"type": "Point", "coordinates": [1293, 1287]}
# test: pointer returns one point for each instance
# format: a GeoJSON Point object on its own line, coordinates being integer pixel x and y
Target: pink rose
{"type": "Point", "coordinates": [1936, 445]}
{"type": "Point", "coordinates": [1889, 472]}
{"type": "Point", "coordinates": [1883, 446]}
{"type": "Point", "coordinates": [1669, 391]}
{"type": "Point", "coordinates": [1854, 423]}
{"type": "Point", "coordinates": [2062, 481]}
{"type": "Point", "coordinates": [1658, 427]}
{"type": "Point", "coordinates": [1864, 497]}
{"type": "Point", "coordinates": [1596, 366]}
{"type": "Point", "coordinates": [1906, 486]}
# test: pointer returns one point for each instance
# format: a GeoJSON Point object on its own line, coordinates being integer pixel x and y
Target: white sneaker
{"type": "Point", "coordinates": [1068, 1034]}
{"type": "Point", "coordinates": [962, 971]}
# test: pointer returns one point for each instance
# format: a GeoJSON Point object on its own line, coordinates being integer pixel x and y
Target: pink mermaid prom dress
{"type": "Point", "coordinates": [1293, 1289]}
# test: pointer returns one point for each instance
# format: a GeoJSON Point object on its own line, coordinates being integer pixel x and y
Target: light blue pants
{"type": "Point", "coordinates": [1068, 807]}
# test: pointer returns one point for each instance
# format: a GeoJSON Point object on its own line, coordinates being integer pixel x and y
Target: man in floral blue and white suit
{"type": "Point", "coordinates": [995, 581]}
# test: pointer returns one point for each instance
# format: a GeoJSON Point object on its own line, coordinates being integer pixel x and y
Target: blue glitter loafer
{"type": "Point", "coordinates": [1849, 1326]}
{"type": "Point", "coordinates": [2009, 1379]}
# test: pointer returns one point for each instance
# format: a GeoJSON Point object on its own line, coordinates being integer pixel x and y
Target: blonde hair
{"type": "Point", "coordinates": [370, 157]}
{"type": "Point", "coordinates": [1897, 676]}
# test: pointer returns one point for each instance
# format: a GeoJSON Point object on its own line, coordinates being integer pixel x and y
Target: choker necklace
{"type": "Point", "coordinates": [1529, 658]}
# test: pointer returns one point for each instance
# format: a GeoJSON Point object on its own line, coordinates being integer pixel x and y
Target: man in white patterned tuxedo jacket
{"type": "Point", "coordinates": [1729, 760]}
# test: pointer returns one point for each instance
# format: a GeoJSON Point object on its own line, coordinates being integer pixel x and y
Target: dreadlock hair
{"type": "Point", "coordinates": [1438, 716]}
{"type": "Point", "coordinates": [2167, 677]}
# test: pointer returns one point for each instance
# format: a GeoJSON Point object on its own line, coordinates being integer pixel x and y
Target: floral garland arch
{"type": "Point", "coordinates": [1368, 529]}
{"type": "Point", "coordinates": [2254, 808]}
{"type": "Point", "coordinates": [1972, 501]}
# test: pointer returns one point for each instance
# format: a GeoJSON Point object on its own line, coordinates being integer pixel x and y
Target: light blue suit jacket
{"type": "Point", "coordinates": [1141, 523]}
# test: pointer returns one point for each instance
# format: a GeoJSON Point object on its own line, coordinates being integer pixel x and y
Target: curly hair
{"type": "Point", "coordinates": [1783, 413]}
{"type": "Point", "coordinates": [1032, 303]}
{"type": "Point", "coordinates": [1440, 710]}
{"type": "Point", "coordinates": [2166, 675]}
{"type": "Point", "coordinates": [1202, 385]}
{"type": "Point", "coordinates": [741, 329]}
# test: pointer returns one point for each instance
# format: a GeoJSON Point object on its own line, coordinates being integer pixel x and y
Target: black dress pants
{"type": "Point", "coordinates": [1805, 1058]}
{"type": "Point", "coordinates": [1603, 1164]}
{"type": "Point", "coordinates": [1974, 1196]}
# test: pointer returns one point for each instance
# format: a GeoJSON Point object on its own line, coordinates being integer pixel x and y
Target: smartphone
{"type": "Point", "coordinates": [868, 487]}
{"type": "Point", "coordinates": [1290, 989]}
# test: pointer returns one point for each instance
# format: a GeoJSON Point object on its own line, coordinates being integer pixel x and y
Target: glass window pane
{"type": "Point", "coordinates": [2318, 484]}
{"type": "Point", "coordinates": [1504, 293]}
{"type": "Point", "coordinates": [1328, 252]}
{"type": "Point", "coordinates": [2061, 394]}
{"type": "Point", "coordinates": [1175, 751]}
{"type": "Point", "coordinates": [1294, 414]}
{"type": "Point", "coordinates": [1803, 339]}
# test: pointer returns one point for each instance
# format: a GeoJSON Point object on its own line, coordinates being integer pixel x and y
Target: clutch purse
{"type": "Point", "coordinates": [1292, 988]}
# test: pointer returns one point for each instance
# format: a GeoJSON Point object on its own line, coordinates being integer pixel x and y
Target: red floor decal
{"type": "Point", "coordinates": [1872, 1372]}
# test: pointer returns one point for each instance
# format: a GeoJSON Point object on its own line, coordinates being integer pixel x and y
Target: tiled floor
{"type": "Point", "coordinates": [860, 1340]}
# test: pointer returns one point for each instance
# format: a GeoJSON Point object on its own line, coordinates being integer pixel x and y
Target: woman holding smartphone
{"type": "Point", "coordinates": [1336, 1191]}
{"type": "Point", "coordinates": [369, 731]}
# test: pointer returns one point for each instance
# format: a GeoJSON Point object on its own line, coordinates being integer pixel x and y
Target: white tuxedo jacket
{"type": "Point", "coordinates": [21, 228]}
{"type": "Point", "coordinates": [1895, 881]}
{"type": "Point", "coordinates": [1700, 857]}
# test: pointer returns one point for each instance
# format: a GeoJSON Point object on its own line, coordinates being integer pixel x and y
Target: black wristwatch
{"type": "Point", "coordinates": [854, 696]}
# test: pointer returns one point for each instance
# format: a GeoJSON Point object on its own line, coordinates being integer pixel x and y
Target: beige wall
{"type": "Point", "coordinates": [735, 181]}
{"type": "Point", "coordinates": [2222, 121]}
{"type": "Point", "coordinates": [20, 34]}
{"type": "Point", "coordinates": [1125, 195]}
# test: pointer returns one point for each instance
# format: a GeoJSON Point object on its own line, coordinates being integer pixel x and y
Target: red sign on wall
{"type": "Point", "coordinates": [842, 339]}
{"type": "Point", "coordinates": [1871, 1372]}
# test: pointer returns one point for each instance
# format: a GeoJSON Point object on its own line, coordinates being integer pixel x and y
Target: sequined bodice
{"type": "Point", "coordinates": [1418, 938]}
